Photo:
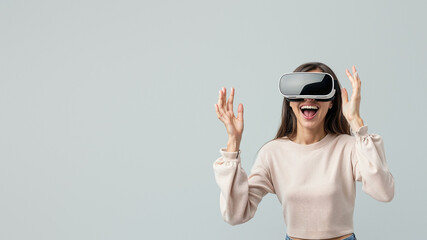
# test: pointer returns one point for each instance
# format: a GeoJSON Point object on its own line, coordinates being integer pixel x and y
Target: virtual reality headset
{"type": "Point", "coordinates": [297, 86]}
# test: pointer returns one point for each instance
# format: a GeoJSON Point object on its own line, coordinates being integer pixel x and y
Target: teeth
{"type": "Point", "coordinates": [309, 107]}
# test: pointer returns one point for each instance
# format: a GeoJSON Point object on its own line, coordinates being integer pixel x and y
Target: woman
{"type": "Point", "coordinates": [311, 165]}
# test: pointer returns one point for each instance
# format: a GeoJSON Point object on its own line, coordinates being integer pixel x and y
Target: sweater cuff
{"type": "Point", "coordinates": [229, 155]}
{"type": "Point", "coordinates": [361, 132]}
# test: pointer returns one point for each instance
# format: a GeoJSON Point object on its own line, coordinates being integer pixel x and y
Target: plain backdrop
{"type": "Point", "coordinates": [108, 127]}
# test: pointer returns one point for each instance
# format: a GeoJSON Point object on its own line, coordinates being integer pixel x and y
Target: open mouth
{"type": "Point", "coordinates": [309, 112]}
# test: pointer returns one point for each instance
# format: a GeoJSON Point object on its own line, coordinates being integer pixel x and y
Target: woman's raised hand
{"type": "Point", "coordinates": [224, 111]}
{"type": "Point", "coordinates": [351, 108]}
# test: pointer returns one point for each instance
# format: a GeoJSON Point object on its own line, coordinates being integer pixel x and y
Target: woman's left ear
{"type": "Point", "coordinates": [330, 105]}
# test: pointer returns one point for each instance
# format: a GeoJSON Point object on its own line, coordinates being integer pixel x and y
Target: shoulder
{"type": "Point", "coordinates": [344, 140]}
{"type": "Point", "coordinates": [268, 152]}
{"type": "Point", "coordinates": [344, 137]}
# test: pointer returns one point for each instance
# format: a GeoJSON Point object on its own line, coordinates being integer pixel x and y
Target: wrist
{"type": "Point", "coordinates": [233, 145]}
{"type": "Point", "coordinates": [356, 123]}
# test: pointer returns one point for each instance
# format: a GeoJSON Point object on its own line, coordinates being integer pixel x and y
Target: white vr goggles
{"type": "Point", "coordinates": [297, 86]}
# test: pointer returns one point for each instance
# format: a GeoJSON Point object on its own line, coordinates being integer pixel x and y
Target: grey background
{"type": "Point", "coordinates": [107, 122]}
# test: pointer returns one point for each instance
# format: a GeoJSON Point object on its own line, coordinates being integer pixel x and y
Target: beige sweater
{"type": "Point", "coordinates": [315, 183]}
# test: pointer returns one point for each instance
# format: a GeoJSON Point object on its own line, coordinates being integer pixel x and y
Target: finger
{"type": "Point", "coordinates": [355, 74]}
{"type": "Point", "coordinates": [344, 95]}
{"type": "Point", "coordinates": [218, 113]}
{"type": "Point", "coordinates": [230, 101]}
{"type": "Point", "coordinates": [350, 77]}
{"type": "Point", "coordinates": [220, 98]}
{"type": "Point", "coordinates": [240, 112]}
{"type": "Point", "coordinates": [357, 81]}
{"type": "Point", "coordinates": [356, 92]}
{"type": "Point", "coordinates": [224, 98]}
{"type": "Point", "coordinates": [220, 104]}
{"type": "Point", "coordinates": [348, 74]}
{"type": "Point", "coordinates": [356, 77]}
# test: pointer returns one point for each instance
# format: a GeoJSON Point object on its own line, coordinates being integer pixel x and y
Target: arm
{"type": "Point", "coordinates": [240, 194]}
{"type": "Point", "coordinates": [368, 156]}
{"type": "Point", "coordinates": [370, 165]}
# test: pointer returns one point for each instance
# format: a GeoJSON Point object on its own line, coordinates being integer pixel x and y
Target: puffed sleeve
{"type": "Point", "coordinates": [240, 194]}
{"type": "Point", "coordinates": [370, 165]}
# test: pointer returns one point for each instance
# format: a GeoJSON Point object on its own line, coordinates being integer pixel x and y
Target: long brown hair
{"type": "Point", "coordinates": [335, 122]}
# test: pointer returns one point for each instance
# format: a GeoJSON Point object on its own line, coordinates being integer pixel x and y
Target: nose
{"type": "Point", "coordinates": [309, 99]}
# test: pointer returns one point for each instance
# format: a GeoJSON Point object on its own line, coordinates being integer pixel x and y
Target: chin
{"type": "Point", "coordinates": [310, 123]}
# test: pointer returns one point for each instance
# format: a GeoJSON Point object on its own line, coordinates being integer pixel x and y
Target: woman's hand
{"type": "Point", "coordinates": [224, 111]}
{"type": "Point", "coordinates": [351, 109]}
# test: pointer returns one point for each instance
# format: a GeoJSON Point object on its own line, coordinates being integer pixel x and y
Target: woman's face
{"type": "Point", "coordinates": [311, 119]}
